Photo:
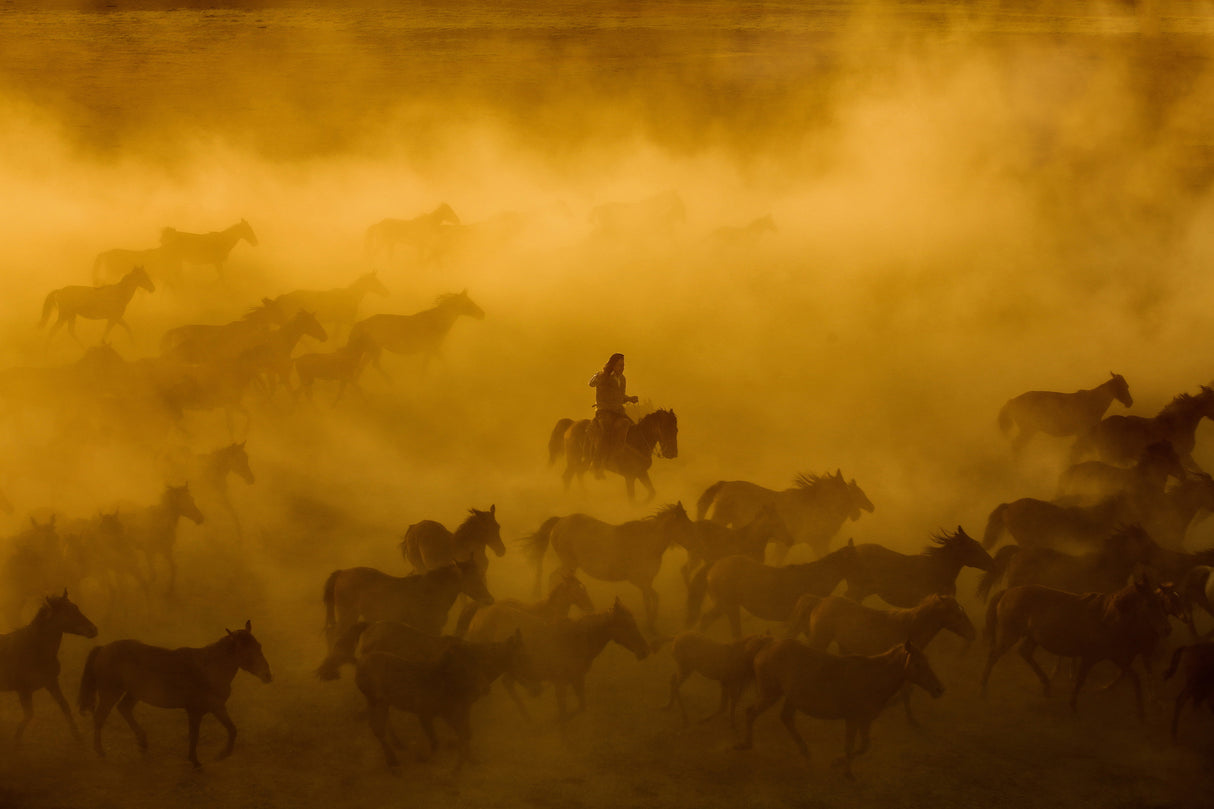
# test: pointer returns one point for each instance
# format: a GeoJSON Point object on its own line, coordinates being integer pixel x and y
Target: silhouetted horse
{"type": "Point", "coordinates": [337, 308]}
{"type": "Point", "coordinates": [153, 529]}
{"type": "Point", "coordinates": [423, 600]}
{"type": "Point", "coordinates": [562, 649]}
{"type": "Point", "coordinates": [631, 551]}
{"type": "Point", "coordinates": [657, 430]}
{"type": "Point", "coordinates": [209, 473]}
{"type": "Point", "coordinates": [566, 591]}
{"type": "Point", "coordinates": [767, 592]}
{"type": "Point", "coordinates": [198, 342]}
{"type": "Point", "coordinates": [1118, 626]}
{"type": "Point", "coordinates": [904, 580]}
{"type": "Point", "coordinates": [1040, 523]}
{"type": "Point", "coordinates": [428, 545]}
{"type": "Point", "coordinates": [1123, 439]}
{"type": "Point", "coordinates": [730, 664]}
{"type": "Point", "coordinates": [1061, 414]}
{"type": "Point", "coordinates": [207, 248]}
{"type": "Point", "coordinates": [29, 656]}
{"type": "Point", "coordinates": [106, 303]}
{"type": "Point", "coordinates": [422, 233]}
{"type": "Point", "coordinates": [343, 365]}
{"type": "Point", "coordinates": [1092, 482]}
{"type": "Point", "coordinates": [421, 333]}
{"type": "Point", "coordinates": [814, 509]}
{"type": "Point", "coordinates": [853, 688]}
{"type": "Point", "coordinates": [35, 563]}
{"type": "Point", "coordinates": [198, 680]}
{"type": "Point", "coordinates": [444, 688]}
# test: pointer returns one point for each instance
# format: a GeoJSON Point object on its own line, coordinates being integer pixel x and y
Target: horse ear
{"type": "Point", "coordinates": [225, 629]}
{"type": "Point", "coordinates": [851, 542]}
{"type": "Point", "coordinates": [248, 626]}
{"type": "Point", "coordinates": [493, 508]}
{"type": "Point", "coordinates": [65, 592]}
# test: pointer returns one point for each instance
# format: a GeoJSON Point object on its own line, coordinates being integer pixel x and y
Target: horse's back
{"type": "Point", "coordinates": [166, 678]}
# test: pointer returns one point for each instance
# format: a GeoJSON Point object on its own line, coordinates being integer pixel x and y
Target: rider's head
{"type": "Point", "coordinates": [616, 363]}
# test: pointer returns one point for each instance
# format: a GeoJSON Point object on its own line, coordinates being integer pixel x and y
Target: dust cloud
{"type": "Point", "coordinates": [970, 201]}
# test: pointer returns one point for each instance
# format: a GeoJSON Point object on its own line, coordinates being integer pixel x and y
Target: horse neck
{"type": "Point", "coordinates": [219, 663]}
{"type": "Point", "coordinates": [468, 534]}
{"type": "Point", "coordinates": [229, 236]}
{"type": "Point", "coordinates": [126, 287]}
{"type": "Point", "coordinates": [44, 636]}
{"type": "Point", "coordinates": [644, 437]}
{"type": "Point", "coordinates": [922, 622]}
{"type": "Point", "coordinates": [945, 564]}
{"type": "Point", "coordinates": [594, 631]}
{"type": "Point", "coordinates": [891, 666]}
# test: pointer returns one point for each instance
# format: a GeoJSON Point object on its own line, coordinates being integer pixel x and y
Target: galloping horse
{"type": "Point", "coordinates": [903, 580]}
{"type": "Point", "coordinates": [1090, 482]}
{"type": "Point", "coordinates": [731, 664]}
{"type": "Point", "coordinates": [713, 541]}
{"type": "Point", "coordinates": [423, 599]}
{"type": "Point", "coordinates": [1118, 626]}
{"type": "Point", "coordinates": [1061, 414]}
{"type": "Point", "coordinates": [209, 472]}
{"type": "Point", "coordinates": [814, 509]}
{"type": "Point", "coordinates": [153, 529]}
{"type": "Point", "coordinates": [343, 365]}
{"type": "Point", "coordinates": [106, 303]}
{"type": "Point", "coordinates": [1123, 439]}
{"type": "Point", "coordinates": [334, 307]}
{"type": "Point", "coordinates": [199, 680]}
{"type": "Point", "coordinates": [1040, 523]}
{"type": "Point", "coordinates": [207, 248]}
{"type": "Point", "coordinates": [198, 342]}
{"type": "Point", "coordinates": [421, 333]}
{"type": "Point", "coordinates": [657, 430]}
{"type": "Point", "coordinates": [428, 545]}
{"type": "Point", "coordinates": [566, 591]}
{"type": "Point", "coordinates": [422, 233]}
{"type": "Point", "coordinates": [631, 551]}
{"type": "Point", "coordinates": [29, 656]}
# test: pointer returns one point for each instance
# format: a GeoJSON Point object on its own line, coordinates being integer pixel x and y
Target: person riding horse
{"type": "Point", "coordinates": [609, 429]}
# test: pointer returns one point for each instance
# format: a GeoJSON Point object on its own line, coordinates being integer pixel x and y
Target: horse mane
{"type": "Point", "coordinates": [1182, 402]}
{"type": "Point", "coordinates": [447, 297]}
{"type": "Point", "coordinates": [666, 509]}
{"type": "Point", "coordinates": [807, 481]}
{"type": "Point", "coordinates": [473, 517]}
{"type": "Point", "coordinates": [943, 542]}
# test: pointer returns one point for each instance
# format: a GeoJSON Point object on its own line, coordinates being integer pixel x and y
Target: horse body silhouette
{"type": "Point", "coordinates": [1040, 523]}
{"type": "Point", "coordinates": [1123, 439]}
{"type": "Point", "coordinates": [198, 680]}
{"type": "Point", "coordinates": [712, 540]}
{"type": "Point", "coordinates": [106, 303]}
{"type": "Point", "coordinates": [343, 365]}
{"type": "Point", "coordinates": [198, 342]}
{"type": "Point", "coordinates": [566, 592]}
{"type": "Point", "coordinates": [631, 460]}
{"type": "Point", "coordinates": [207, 248]}
{"type": "Point", "coordinates": [743, 237]}
{"type": "Point", "coordinates": [428, 544]}
{"type": "Point", "coordinates": [337, 308]}
{"type": "Point", "coordinates": [421, 333]}
{"type": "Point", "coordinates": [421, 233]}
{"type": "Point", "coordinates": [903, 580]}
{"type": "Point", "coordinates": [1092, 482]}
{"type": "Point", "coordinates": [730, 664]}
{"type": "Point", "coordinates": [153, 529]}
{"type": "Point", "coordinates": [814, 509]}
{"type": "Point", "coordinates": [631, 551]}
{"type": "Point", "coordinates": [1061, 414]}
{"type": "Point", "coordinates": [29, 656]}
{"type": "Point", "coordinates": [209, 472]}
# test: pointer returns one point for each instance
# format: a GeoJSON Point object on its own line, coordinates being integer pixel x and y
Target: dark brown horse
{"type": "Point", "coordinates": [29, 656]}
{"type": "Point", "coordinates": [106, 303]}
{"type": "Point", "coordinates": [730, 664]}
{"type": "Point", "coordinates": [1123, 439]}
{"type": "Point", "coordinates": [428, 545]}
{"type": "Point", "coordinates": [853, 688]}
{"type": "Point", "coordinates": [423, 599]}
{"type": "Point", "coordinates": [1119, 626]}
{"type": "Point", "coordinates": [1061, 414]}
{"type": "Point", "coordinates": [814, 509]}
{"type": "Point", "coordinates": [904, 580]}
{"type": "Point", "coordinates": [1040, 523]}
{"type": "Point", "coordinates": [770, 593]}
{"type": "Point", "coordinates": [658, 431]}
{"type": "Point", "coordinates": [198, 680]}
{"type": "Point", "coordinates": [1092, 482]}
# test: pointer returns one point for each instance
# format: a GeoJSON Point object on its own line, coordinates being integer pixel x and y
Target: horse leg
{"type": "Point", "coordinates": [57, 695]}
{"type": "Point", "coordinates": [788, 715]}
{"type": "Point", "coordinates": [105, 702]}
{"type": "Point", "coordinates": [126, 707]}
{"type": "Point", "coordinates": [220, 712]}
{"type": "Point", "coordinates": [27, 713]}
{"type": "Point", "coordinates": [999, 647]}
{"type": "Point", "coordinates": [1027, 647]}
{"type": "Point", "coordinates": [427, 723]}
{"type": "Point", "coordinates": [195, 717]}
{"type": "Point", "coordinates": [676, 680]}
{"type": "Point", "coordinates": [644, 478]}
{"type": "Point", "coordinates": [650, 598]}
{"type": "Point", "coordinates": [1128, 671]}
{"type": "Point", "coordinates": [906, 698]}
{"type": "Point", "coordinates": [508, 684]}
{"type": "Point", "coordinates": [377, 718]}
{"type": "Point", "coordinates": [766, 699]}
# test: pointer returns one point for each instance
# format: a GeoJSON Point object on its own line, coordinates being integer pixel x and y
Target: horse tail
{"type": "Point", "coordinates": [343, 652]}
{"type": "Point", "coordinates": [999, 564]}
{"type": "Point", "coordinates": [465, 618]}
{"type": "Point", "coordinates": [1005, 418]}
{"type": "Point", "coordinates": [696, 588]}
{"type": "Point", "coordinates": [51, 299]}
{"type": "Point", "coordinates": [536, 545]}
{"type": "Point", "coordinates": [1175, 664]}
{"type": "Point", "coordinates": [330, 600]}
{"type": "Point", "coordinates": [705, 501]}
{"type": "Point", "coordinates": [88, 682]}
{"type": "Point", "coordinates": [556, 441]}
{"type": "Point", "coordinates": [994, 526]}
{"type": "Point", "coordinates": [988, 630]}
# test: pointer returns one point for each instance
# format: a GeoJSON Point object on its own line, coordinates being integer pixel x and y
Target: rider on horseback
{"type": "Point", "coordinates": [610, 426]}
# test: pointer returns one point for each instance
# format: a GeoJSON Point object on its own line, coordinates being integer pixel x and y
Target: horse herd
{"type": "Point", "coordinates": [1097, 573]}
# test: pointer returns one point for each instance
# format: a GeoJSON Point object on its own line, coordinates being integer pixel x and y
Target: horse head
{"type": "Point", "coordinates": [371, 283]}
{"type": "Point", "coordinates": [624, 630]}
{"type": "Point", "coordinates": [181, 502]}
{"type": "Point", "coordinates": [488, 529]}
{"type": "Point", "coordinates": [963, 548]}
{"type": "Point", "coordinates": [64, 616]}
{"type": "Point", "coordinates": [1121, 389]}
{"type": "Point", "coordinates": [668, 433]}
{"type": "Point", "coordinates": [238, 462]}
{"type": "Point", "coordinates": [245, 231]}
{"type": "Point", "coordinates": [950, 615]}
{"type": "Point", "coordinates": [918, 671]}
{"type": "Point", "coordinates": [569, 589]}
{"type": "Point", "coordinates": [444, 213]}
{"type": "Point", "coordinates": [139, 277]}
{"type": "Point", "coordinates": [461, 304]}
{"type": "Point", "coordinates": [309, 325]}
{"type": "Point", "coordinates": [858, 499]}
{"type": "Point", "coordinates": [247, 651]}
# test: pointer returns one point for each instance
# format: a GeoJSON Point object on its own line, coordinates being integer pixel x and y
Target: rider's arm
{"type": "Point", "coordinates": [594, 380]}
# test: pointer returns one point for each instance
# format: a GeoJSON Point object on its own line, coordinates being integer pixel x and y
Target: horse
{"type": "Point", "coordinates": [29, 656]}
{"type": "Point", "coordinates": [1091, 482]}
{"type": "Point", "coordinates": [767, 592]}
{"type": "Point", "coordinates": [198, 680]}
{"type": "Point", "coordinates": [853, 688]}
{"type": "Point", "coordinates": [731, 664]}
{"type": "Point", "coordinates": [420, 333]}
{"type": "Point", "coordinates": [1169, 518]}
{"type": "Point", "coordinates": [562, 650]}
{"type": "Point", "coordinates": [209, 473]}
{"type": "Point", "coordinates": [742, 237]}
{"type": "Point", "coordinates": [712, 540]}
{"type": "Point", "coordinates": [1102, 570]}
{"type": "Point", "coordinates": [1040, 523]}
{"type": "Point", "coordinates": [153, 529]}
{"type": "Point", "coordinates": [273, 350]}
{"type": "Point", "coordinates": [445, 688]}
{"type": "Point", "coordinates": [207, 248]}
{"type": "Point", "coordinates": [422, 233]}
{"type": "Point", "coordinates": [631, 460]}
{"type": "Point", "coordinates": [197, 342]}
{"type": "Point", "coordinates": [567, 591]}
{"type": "Point", "coordinates": [428, 545]}
{"type": "Point", "coordinates": [1118, 626]}
{"type": "Point", "coordinates": [1061, 414]}
{"type": "Point", "coordinates": [814, 509]}
{"type": "Point", "coordinates": [106, 303]}
{"type": "Point", "coordinates": [860, 630]}
{"type": "Point", "coordinates": [159, 263]}
{"type": "Point", "coordinates": [1197, 664]}
{"type": "Point", "coordinates": [343, 365]}
{"type": "Point", "coordinates": [903, 580]}
{"type": "Point", "coordinates": [337, 308]}
{"type": "Point", "coordinates": [1123, 439]}
{"type": "Point", "coordinates": [653, 215]}
{"type": "Point", "coordinates": [631, 551]}
{"type": "Point", "coordinates": [393, 637]}
{"type": "Point", "coordinates": [423, 599]}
